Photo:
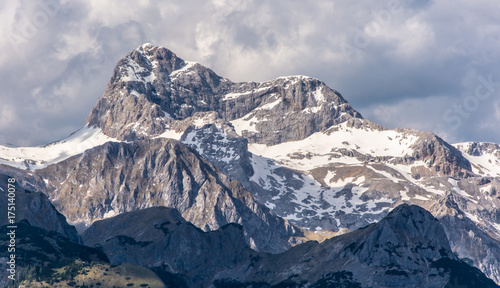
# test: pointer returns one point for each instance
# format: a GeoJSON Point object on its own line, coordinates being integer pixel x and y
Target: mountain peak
{"type": "Point", "coordinates": [417, 222]}
{"type": "Point", "coordinates": [146, 63]}
{"type": "Point", "coordinates": [152, 87]}
{"type": "Point", "coordinates": [406, 226]}
{"type": "Point", "coordinates": [145, 46]}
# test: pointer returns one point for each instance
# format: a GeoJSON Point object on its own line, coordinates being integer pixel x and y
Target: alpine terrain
{"type": "Point", "coordinates": [204, 182]}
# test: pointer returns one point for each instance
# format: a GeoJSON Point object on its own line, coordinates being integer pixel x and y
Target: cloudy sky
{"type": "Point", "coordinates": [429, 65]}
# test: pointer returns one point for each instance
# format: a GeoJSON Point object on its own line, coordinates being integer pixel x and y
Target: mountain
{"type": "Point", "coordinates": [310, 156]}
{"type": "Point", "coordinates": [155, 88]}
{"type": "Point", "coordinates": [473, 243]}
{"type": "Point", "coordinates": [484, 157]}
{"type": "Point", "coordinates": [119, 177]}
{"type": "Point", "coordinates": [408, 248]}
{"type": "Point", "coordinates": [294, 145]}
{"type": "Point", "coordinates": [169, 245]}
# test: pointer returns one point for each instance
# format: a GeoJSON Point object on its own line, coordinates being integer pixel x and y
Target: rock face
{"type": "Point", "coordinates": [217, 141]}
{"type": "Point", "coordinates": [443, 158]}
{"type": "Point", "coordinates": [38, 210]}
{"type": "Point", "coordinates": [151, 88]}
{"type": "Point", "coordinates": [472, 242]}
{"type": "Point", "coordinates": [120, 177]}
{"type": "Point", "coordinates": [485, 157]}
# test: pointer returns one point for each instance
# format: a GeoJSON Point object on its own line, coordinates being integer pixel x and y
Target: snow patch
{"type": "Point", "coordinates": [188, 66]}
{"type": "Point", "coordinates": [312, 110]}
{"type": "Point", "coordinates": [135, 93]}
{"type": "Point", "coordinates": [321, 146]}
{"type": "Point", "coordinates": [235, 95]}
{"type": "Point", "coordinates": [318, 95]}
{"type": "Point", "coordinates": [170, 134]}
{"type": "Point", "coordinates": [243, 124]}
{"type": "Point", "coordinates": [419, 197]}
{"type": "Point", "coordinates": [486, 164]}
{"type": "Point", "coordinates": [270, 106]}
{"type": "Point", "coordinates": [404, 195]}
{"type": "Point", "coordinates": [33, 158]}
{"type": "Point", "coordinates": [109, 214]}
{"type": "Point", "coordinates": [133, 72]}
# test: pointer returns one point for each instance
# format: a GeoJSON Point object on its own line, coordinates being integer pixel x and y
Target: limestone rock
{"type": "Point", "coordinates": [121, 177]}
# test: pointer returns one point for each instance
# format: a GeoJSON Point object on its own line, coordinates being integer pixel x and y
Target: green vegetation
{"type": "Point", "coordinates": [48, 259]}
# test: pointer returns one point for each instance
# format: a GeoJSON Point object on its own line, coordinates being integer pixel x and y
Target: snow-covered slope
{"type": "Point", "coordinates": [484, 157]}
{"type": "Point", "coordinates": [33, 158]}
{"type": "Point", "coordinates": [323, 148]}
{"type": "Point", "coordinates": [362, 171]}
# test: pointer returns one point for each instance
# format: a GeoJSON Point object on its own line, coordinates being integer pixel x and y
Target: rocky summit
{"type": "Point", "coordinates": [286, 161]}
{"type": "Point", "coordinates": [151, 88]}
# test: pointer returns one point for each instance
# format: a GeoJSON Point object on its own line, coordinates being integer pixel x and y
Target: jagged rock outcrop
{"type": "Point", "coordinates": [471, 243]}
{"type": "Point", "coordinates": [481, 148]}
{"type": "Point", "coordinates": [217, 141]}
{"type": "Point", "coordinates": [487, 156]}
{"type": "Point", "coordinates": [441, 158]}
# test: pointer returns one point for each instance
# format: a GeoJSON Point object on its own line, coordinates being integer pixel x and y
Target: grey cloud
{"type": "Point", "coordinates": [420, 61]}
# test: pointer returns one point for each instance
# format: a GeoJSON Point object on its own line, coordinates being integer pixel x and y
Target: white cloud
{"type": "Point", "coordinates": [419, 36]}
{"type": "Point", "coordinates": [7, 115]}
{"type": "Point", "coordinates": [80, 41]}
